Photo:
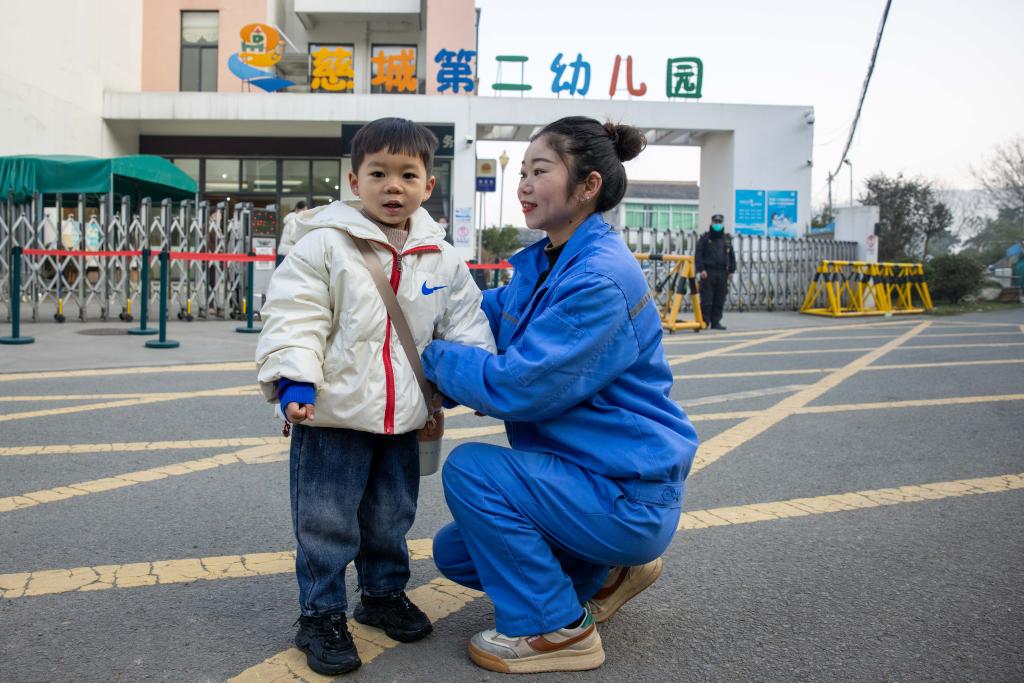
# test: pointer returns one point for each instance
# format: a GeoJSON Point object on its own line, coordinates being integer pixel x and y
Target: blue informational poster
{"type": "Point", "coordinates": [782, 215]}
{"type": "Point", "coordinates": [750, 217]}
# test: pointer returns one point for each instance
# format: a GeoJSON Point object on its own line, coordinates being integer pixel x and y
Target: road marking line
{"type": "Point", "coordinates": [946, 364]}
{"type": "Point", "coordinates": [135, 574]}
{"type": "Point", "coordinates": [856, 349]}
{"type": "Point", "coordinates": [740, 395]}
{"type": "Point", "coordinates": [913, 403]}
{"type": "Point", "coordinates": [841, 502]}
{"type": "Point", "coordinates": [141, 370]}
{"type": "Point", "coordinates": [811, 371]}
{"type": "Point", "coordinates": [955, 322]}
{"type": "Point", "coordinates": [127, 403]}
{"type": "Point", "coordinates": [677, 360]}
{"type": "Point", "coordinates": [187, 570]}
{"type": "Point", "coordinates": [849, 407]}
{"type": "Point", "coordinates": [253, 391]}
{"type": "Point", "coordinates": [720, 444]}
{"type": "Point", "coordinates": [753, 373]}
{"type": "Point", "coordinates": [251, 456]}
{"type": "Point", "coordinates": [685, 342]}
{"type": "Point", "coordinates": [135, 446]}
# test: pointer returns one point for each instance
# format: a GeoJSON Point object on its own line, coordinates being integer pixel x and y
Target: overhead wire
{"type": "Point", "coordinates": [863, 92]}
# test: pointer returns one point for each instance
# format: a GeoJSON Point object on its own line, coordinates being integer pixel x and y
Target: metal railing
{"type": "Point", "coordinates": [101, 288]}
{"type": "Point", "coordinates": [772, 273]}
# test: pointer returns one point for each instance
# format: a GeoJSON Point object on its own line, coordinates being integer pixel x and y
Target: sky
{"type": "Point", "coordinates": [948, 84]}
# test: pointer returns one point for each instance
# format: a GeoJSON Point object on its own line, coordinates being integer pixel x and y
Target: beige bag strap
{"type": "Point", "coordinates": [397, 317]}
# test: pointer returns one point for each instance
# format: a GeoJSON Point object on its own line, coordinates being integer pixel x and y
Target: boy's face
{"type": "Point", "coordinates": [391, 186]}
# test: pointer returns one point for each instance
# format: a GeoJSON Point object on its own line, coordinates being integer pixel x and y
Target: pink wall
{"type": "Point", "coordinates": [161, 39]}
{"type": "Point", "coordinates": [451, 24]}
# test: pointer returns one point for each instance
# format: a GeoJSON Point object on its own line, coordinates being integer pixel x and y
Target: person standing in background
{"type": "Point", "coordinates": [714, 262]}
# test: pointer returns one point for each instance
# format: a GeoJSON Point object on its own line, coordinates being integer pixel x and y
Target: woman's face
{"type": "Point", "coordinates": [543, 193]}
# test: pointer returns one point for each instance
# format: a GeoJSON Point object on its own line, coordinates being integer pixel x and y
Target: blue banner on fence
{"type": "Point", "coordinates": [750, 207]}
{"type": "Point", "coordinates": [782, 210]}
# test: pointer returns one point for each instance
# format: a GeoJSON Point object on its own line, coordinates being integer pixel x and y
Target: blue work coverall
{"type": "Point", "coordinates": [594, 476]}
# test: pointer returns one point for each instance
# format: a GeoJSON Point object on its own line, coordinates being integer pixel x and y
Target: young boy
{"type": "Point", "coordinates": [328, 342]}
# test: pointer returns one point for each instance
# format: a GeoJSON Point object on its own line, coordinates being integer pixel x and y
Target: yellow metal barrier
{"type": "Point", "coordinates": [679, 278]}
{"type": "Point", "coordinates": [857, 288]}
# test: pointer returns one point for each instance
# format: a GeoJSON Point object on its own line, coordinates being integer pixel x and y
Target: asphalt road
{"type": "Point", "coordinates": [145, 530]}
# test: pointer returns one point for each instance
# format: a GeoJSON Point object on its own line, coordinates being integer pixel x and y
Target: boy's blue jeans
{"type": "Point", "coordinates": [353, 498]}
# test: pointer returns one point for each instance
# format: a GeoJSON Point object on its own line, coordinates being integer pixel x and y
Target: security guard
{"type": "Point", "coordinates": [715, 262]}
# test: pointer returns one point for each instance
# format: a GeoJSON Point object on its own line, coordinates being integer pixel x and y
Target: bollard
{"type": "Point", "coordinates": [143, 297]}
{"type": "Point", "coordinates": [163, 342]}
{"type": "Point", "coordinates": [248, 300]}
{"type": "Point", "coordinates": [16, 337]}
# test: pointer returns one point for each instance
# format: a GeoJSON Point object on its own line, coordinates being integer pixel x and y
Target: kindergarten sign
{"type": "Point", "coordinates": [397, 69]}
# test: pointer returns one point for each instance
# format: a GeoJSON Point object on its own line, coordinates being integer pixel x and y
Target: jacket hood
{"type": "Point", "coordinates": [344, 216]}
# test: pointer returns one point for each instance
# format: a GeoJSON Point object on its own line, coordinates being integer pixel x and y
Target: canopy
{"type": "Point", "coordinates": [147, 176]}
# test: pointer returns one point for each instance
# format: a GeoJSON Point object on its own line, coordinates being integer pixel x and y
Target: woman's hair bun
{"type": "Point", "coordinates": [628, 141]}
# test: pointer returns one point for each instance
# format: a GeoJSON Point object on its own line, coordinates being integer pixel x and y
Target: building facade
{"type": "Point", "coordinates": [258, 99]}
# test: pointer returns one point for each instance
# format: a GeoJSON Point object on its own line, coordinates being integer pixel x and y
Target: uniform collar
{"type": "Point", "coordinates": [531, 261]}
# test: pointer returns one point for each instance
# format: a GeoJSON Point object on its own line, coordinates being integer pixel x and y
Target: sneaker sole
{"type": "Point", "coordinates": [396, 634]}
{"type": "Point", "coordinates": [609, 610]}
{"type": "Point", "coordinates": [561, 660]}
{"type": "Point", "coordinates": [325, 669]}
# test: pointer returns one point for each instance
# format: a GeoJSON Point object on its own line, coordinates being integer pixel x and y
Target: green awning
{"type": "Point", "coordinates": [147, 176]}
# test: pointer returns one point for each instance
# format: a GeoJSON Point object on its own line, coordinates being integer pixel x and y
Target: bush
{"type": "Point", "coordinates": [951, 277]}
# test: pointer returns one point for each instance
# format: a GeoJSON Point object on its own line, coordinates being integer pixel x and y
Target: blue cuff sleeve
{"type": "Point", "coordinates": [290, 391]}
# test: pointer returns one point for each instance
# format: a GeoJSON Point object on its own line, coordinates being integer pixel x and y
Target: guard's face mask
{"type": "Point", "coordinates": [717, 227]}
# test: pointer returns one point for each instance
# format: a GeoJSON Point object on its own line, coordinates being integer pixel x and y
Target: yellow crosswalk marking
{"type": "Point", "coordinates": [128, 403]}
{"type": "Point", "coordinates": [254, 455]}
{"type": "Point", "coordinates": [142, 370]}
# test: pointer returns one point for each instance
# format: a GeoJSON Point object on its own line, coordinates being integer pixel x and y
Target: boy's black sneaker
{"type": "Point", "coordinates": [396, 615]}
{"type": "Point", "coordinates": [328, 644]}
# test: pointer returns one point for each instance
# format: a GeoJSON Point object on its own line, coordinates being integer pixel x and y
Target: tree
{"type": "Point", "coordinates": [1002, 178]}
{"type": "Point", "coordinates": [909, 213]}
{"type": "Point", "coordinates": [501, 242]}
{"type": "Point", "coordinates": [936, 229]}
{"type": "Point", "coordinates": [990, 243]}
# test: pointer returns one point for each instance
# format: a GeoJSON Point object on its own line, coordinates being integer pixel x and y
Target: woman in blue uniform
{"type": "Point", "coordinates": [569, 523]}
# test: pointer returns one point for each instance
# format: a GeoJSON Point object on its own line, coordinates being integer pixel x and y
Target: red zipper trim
{"type": "Point", "coordinates": [389, 370]}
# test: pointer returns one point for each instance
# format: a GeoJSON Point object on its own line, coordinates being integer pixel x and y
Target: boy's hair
{"type": "Point", "coordinates": [399, 136]}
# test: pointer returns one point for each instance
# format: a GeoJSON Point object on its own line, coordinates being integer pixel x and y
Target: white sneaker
{"type": "Point", "coordinates": [622, 585]}
{"type": "Point", "coordinates": [567, 649]}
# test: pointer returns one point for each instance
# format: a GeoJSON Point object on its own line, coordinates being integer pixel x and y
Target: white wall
{"type": "Point", "coordinates": [58, 59]}
{"type": "Point", "coordinates": [855, 224]}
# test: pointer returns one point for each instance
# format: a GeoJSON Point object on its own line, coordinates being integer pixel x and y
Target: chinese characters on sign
{"type": "Point", "coordinates": [684, 78]}
{"type": "Point", "coordinates": [393, 69]}
{"type": "Point", "coordinates": [332, 69]}
{"type": "Point", "coordinates": [573, 86]}
{"type": "Point", "coordinates": [456, 70]}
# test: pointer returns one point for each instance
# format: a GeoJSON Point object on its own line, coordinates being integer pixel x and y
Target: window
{"type": "Point", "coordinates": [326, 181]}
{"type": "Point", "coordinates": [259, 175]}
{"type": "Point", "coordinates": [393, 69]}
{"type": "Point", "coordinates": [222, 175]}
{"type": "Point", "coordinates": [295, 177]}
{"type": "Point", "coordinates": [199, 51]}
{"type": "Point", "coordinates": [190, 166]}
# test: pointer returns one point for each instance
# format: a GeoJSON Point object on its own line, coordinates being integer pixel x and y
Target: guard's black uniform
{"type": "Point", "coordinates": [715, 255]}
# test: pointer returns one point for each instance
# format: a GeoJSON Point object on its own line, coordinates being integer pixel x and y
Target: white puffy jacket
{"type": "Point", "coordinates": [324, 321]}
